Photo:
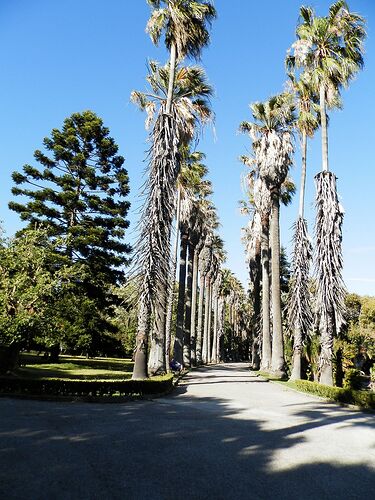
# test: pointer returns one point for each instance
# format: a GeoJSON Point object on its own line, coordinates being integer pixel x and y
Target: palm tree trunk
{"type": "Point", "coordinates": [329, 262]}
{"type": "Point", "coordinates": [324, 131]}
{"type": "Point", "coordinates": [301, 226]}
{"type": "Point", "coordinates": [206, 318]}
{"type": "Point", "coordinates": [172, 285]}
{"type": "Point", "coordinates": [266, 333]}
{"type": "Point", "coordinates": [172, 74]}
{"type": "Point", "coordinates": [303, 176]}
{"type": "Point", "coordinates": [326, 353]}
{"type": "Point", "coordinates": [156, 361]}
{"type": "Point", "coordinates": [179, 339]}
{"type": "Point", "coordinates": [194, 309]}
{"type": "Point", "coordinates": [209, 322]}
{"type": "Point", "coordinates": [143, 331]}
{"type": "Point", "coordinates": [214, 354]}
{"type": "Point", "coordinates": [256, 289]}
{"type": "Point", "coordinates": [277, 359]}
{"type": "Point", "coordinates": [200, 319]}
{"type": "Point", "coordinates": [187, 322]}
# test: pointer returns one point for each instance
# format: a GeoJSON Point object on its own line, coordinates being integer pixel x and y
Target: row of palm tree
{"type": "Point", "coordinates": [327, 54]}
{"type": "Point", "coordinates": [177, 105]}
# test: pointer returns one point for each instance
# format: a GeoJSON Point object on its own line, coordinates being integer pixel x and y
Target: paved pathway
{"type": "Point", "coordinates": [223, 434]}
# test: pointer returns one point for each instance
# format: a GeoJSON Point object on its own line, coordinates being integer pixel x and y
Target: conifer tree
{"type": "Point", "coordinates": [79, 192]}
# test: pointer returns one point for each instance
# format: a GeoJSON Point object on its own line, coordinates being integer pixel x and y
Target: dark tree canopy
{"type": "Point", "coordinates": [78, 191]}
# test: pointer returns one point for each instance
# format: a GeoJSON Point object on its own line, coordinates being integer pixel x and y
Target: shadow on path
{"type": "Point", "coordinates": [181, 446]}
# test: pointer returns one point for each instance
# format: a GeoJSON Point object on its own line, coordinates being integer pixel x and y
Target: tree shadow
{"type": "Point", "coordinates": [182, 446]}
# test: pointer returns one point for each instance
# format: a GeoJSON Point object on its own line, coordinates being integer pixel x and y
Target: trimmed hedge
{"type": "Point", "coordinates": [84, 388]}
{"type": "Point", "coordinates": [364, 399]}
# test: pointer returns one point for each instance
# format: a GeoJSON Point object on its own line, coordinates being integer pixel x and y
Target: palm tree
{"type": "Point", "coordinates": [272, 145]}
{"type": "Point", "coordinates": [204, 220]}
{"type": "Point", "coordinates": [190, 107]}
{"type": "Point", "coordinates": [330, 48]}
{"type": "Point", "coordinates": [299, 309]}
{"type": "Point", "coordinates": [183, 23]}
{"type": "Point", "coordinates": [190, 184]}
{"type": "Point", "coordinates": [218, 256]}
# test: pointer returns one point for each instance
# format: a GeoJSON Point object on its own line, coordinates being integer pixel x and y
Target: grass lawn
{"type": "Point", "coordinates": [75, 367]}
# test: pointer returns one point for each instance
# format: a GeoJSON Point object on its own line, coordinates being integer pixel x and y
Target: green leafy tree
{"type": "Point", "coordinates": [79, 193]}
{"type": "Point", "coordinates": [32, 282]}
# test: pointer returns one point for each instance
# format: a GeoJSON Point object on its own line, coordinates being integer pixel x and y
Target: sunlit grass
{"type": "Point", "coordinates": [75, 367]}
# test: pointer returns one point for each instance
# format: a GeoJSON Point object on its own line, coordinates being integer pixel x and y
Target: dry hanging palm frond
{"type": "Point", "coordinates": [299, 310]}
{"type": "Point", "coordinates": [328, 262]}
{"type": "Point", "coordinates": [152, 260]}
{"type": "Point", "coordinates": [274, 156]}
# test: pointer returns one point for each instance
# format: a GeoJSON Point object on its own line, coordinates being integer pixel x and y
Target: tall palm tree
{"type": "Point", "coordinates": [190, 108]}
{"type": "Point", "coordinates": [330, 48]}
{"type": "Point", "coordinates": [190, 184]}
{"type": "Point", "coordinates": [204, 220]}
{"type": "Point", "coordinates": [184, 25]}
{"type": "Point", "coordinates": [299, 309]}
{"type": "Point", "coordinates": [218, 256]}
{"type": "Point", "coordinates": [273, 149]}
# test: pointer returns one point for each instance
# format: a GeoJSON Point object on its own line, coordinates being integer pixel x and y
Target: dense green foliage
{"type": "Point", "coordinates": [349, 396]}
{"type": "Point", "coordinates": [78, 197]}
{"type": "Point", "coordinates": [85, 388]}
{"type": "Point", "coordinates": [78, 193]}
{"type": "Point", "coordinates": [32, 282]}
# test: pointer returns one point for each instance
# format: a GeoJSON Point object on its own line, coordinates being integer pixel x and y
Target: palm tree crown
{"type": "Point", "coordinates": [184, 24]}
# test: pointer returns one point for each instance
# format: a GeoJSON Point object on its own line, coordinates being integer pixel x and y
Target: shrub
{"type": "Point", "coordinates": [363, 399]}
{"type": "Point", "coordinates": [85, 388]}
{"type": "Point", "coordinates": [352, 379]}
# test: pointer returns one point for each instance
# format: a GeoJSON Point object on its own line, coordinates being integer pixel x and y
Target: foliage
{"type": "Point", "coordinates": [33, 279]}
{"type": "Point", "coordinates": [85, 388]}
{"type": "Point", "coordinates": [78, 193]}
{"type": "Point", "coordinates": [360, 398]}
{"type": "Point", "coordinates": [184, 24]}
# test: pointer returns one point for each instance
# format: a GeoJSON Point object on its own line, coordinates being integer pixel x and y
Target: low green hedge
{"type": "Point", "coordinates": [363, 399]}
{"type": "Point", "coordinates": [85, 388]}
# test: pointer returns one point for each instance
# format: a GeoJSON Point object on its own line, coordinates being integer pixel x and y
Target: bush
{"type": "Point", "coordinates": [85, 388]}
{"type": "Point", "coordinates": [363, 399]}
{"type": "Point", "coordinates": [352, 379]}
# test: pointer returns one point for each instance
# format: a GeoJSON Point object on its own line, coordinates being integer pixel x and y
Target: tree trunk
{"type": "Point", "coordinates": [172, 74]}
{"type": "Point", "coordinates": [200, 319]}
{"type": "Point", "coordinates": [303, 176]}
{"type": "Point", "coordinates": [206, 318]}
{"type": "Point", "coordinates": [324, 131]}
{"type": "Point", "coordinates": [172, 285]}
{"type": "Point", "coordinates": [143, 331]}
{"type": "Point", "coordinates": [194, 308]}
{"type": "Point", "coordinates": [209, 322]}
{"type": "Point", "coordinates": [329, 262]}
{"type": "Point", "coordinates": [326, 343]}
{"type": "Point", "coordinates": [214, 354]}
{"type": "Point", "coordinates": [189, 291]}
{"type": "Point", "coordinates": [266, 333]}
{"type": "Point", "coordinates": [156, 359]}
{"type": "Point", "coordinates": [277, 359]}
{"type": "Point", "coordinates": [297, 355]}
{"type": "Point", "coordinates": [179, 339]}
{"type": "Point", "coordinates": [298, 333]}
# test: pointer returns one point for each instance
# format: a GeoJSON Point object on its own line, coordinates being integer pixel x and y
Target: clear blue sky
{"type": "Point", "coordinates": [62, 57]}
